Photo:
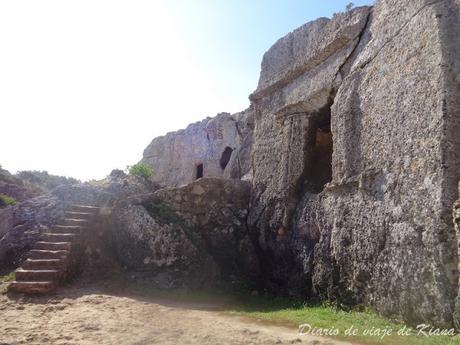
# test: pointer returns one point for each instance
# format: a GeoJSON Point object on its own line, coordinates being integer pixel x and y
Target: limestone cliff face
{"type": "Point", "coordinates": [381, 82]}
{"type": "Point", "coordinates": [354, 157]}
{"type": "Point", "coordinates": [214, 147]}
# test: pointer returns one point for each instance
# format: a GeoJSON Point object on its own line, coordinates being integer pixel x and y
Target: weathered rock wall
{"type": "Point", "coordinates": [193, 236]}
{"type": "Point", "coordinates": [214, 147]}
{"type": "Point", "coordinates": [381, 83]}
{"type": "Point", "coordinates": [456, 218]}
{"type": "Point", "coordinates": [352, 145]}
{"type": "Point", "coordinates": [289, 115]}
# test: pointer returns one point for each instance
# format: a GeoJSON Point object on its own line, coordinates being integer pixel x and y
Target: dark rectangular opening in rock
{"type": "Point", "coordinates": [225, 158]}
{"type": "Point", "coordinates": [319, 158]}
{"type": "Point", "coordinates": [199, 171]}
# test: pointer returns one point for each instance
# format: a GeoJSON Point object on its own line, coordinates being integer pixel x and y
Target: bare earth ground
{"type": "Point", "coordinates": [93, 315]}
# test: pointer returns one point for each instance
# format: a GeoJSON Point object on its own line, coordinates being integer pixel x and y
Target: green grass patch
{"type": "Point", "coordinates": [4, 280]}
{"type": "Point", "coordinates": [6, 200]}
{"type": "Point", "coordinates": [369, 327]}
{"type": "Point", "coordinates": [8, 277]}
{"type": "Point", "coordinates": [281, 311]}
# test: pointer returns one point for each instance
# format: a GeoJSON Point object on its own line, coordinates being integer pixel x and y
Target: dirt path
{"type": "Point", "coordinates": [85, 315]}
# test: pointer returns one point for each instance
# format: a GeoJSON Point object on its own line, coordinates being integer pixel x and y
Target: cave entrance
{"type": "Point", "coordinates": [320, 147]}
{"type": "Point", "coordinates": [225, 158]}
{"type": "Point", "coordinates": [199, 171]}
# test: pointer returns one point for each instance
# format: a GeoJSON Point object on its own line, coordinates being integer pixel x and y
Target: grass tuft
{"type": "Point", "coordinates": [6, 200]}
{"type": "Point", "coordinates": [8, 277]}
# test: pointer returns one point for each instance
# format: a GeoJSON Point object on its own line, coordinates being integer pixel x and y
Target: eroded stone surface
{"type": "Point", "coordinates": [355, 158]}
{"type": "Point", "coordinates": [194, 235]}
{"type": "Point", "coordinates": [351, 146]}
{"type": "Point", "coordinates": [181, 157]}
{"type": "Point", "coordinates": [456, 217]}
{"type": "Point", "coordinates": [307, 47]}
{"type": "Point", "coordinates": [21, 225]}
{"type": "Point", "coordinates": [380, 232]}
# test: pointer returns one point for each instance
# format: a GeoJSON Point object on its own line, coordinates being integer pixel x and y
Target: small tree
{"type": "Point", "coordinates": [349, 6]}
{"type": "Point", "coordinates": [141, 169]}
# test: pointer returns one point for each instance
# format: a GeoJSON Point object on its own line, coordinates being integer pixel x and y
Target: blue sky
{"type": "Point", "coordinates": [86, 85]}
{"type": "Point", "coordinates": [229, 38]}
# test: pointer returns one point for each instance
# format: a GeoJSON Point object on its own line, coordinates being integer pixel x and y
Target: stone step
{"type": "Point", "coordinates": [37, 275]}
{"type": "Point", "coordinates": [79, 215]}
{"type": "Point", "coordinates": [32, 287]}
{"type": "Point", "coordinates": [49, 237]}
{"type": "Point", "coordinates": [67, 229]}
{"type": "Point", "coordinates": [43, 245]}
{"type": "Point", "coordinates": [44, 264]}
{"type": "Point", "coordinates": [72, 221]}
{"type": "Point", "coordinates": [48, 254]}
{"type": "Point", "coordinates": [86, 209]}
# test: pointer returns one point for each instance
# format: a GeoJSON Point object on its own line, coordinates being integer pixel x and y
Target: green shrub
{"type": "Point", "coordinates": [44, 180]}
{"type": "Point", "coordinates": [6, 200]}
{"type": "Point", "coordinates": [140, 169]}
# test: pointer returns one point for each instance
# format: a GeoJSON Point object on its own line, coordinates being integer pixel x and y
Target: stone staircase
{"type": "Point", "coordinates": [54, 257]}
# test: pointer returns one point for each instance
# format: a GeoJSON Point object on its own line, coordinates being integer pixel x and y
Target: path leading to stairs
{"type": "Point", "coordinates": [79, 315]}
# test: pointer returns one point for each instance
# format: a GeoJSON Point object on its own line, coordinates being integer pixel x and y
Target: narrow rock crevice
{"type": "Point", "coordinates": [356, 49]}
{"type": "Point", "coordinates": [417, 12]}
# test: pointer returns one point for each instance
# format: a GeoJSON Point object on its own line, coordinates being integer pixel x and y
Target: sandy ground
{"type": "Point", "coordinates": [91, 315]}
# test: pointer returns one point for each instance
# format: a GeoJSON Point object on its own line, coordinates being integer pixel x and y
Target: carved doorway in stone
{"type": "Point", "coordinates": [199, 171]}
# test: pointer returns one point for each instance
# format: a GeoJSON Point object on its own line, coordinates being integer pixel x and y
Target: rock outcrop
{"type": "Point", "coordinates": [192, 236]}
{"type": "Point", "coordinates": [354, 166]}
{"type": "Point", "coordinates": [352, 154]}
{"type": "Point", "coordinates": [29, 184]}
{"type": "Point", "coordinates": [21, 225]}
{"type": "Point", "coordinates": [214, 147]}
{"type": "Point", "coordinates": [15, 188]}
{"type": "Point", "coordinates": [354, 159]}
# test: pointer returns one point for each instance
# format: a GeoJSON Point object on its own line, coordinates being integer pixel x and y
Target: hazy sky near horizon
{"type": "Point", "coordinates": [86, 85]}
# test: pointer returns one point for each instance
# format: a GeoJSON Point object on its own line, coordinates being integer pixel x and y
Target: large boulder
{"type": "Point", "coordinates": [22, 224]}
{"type": "Point", "coordinates": [159, 246]}
{"type": "Point", "coordinates": [187, 235]}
